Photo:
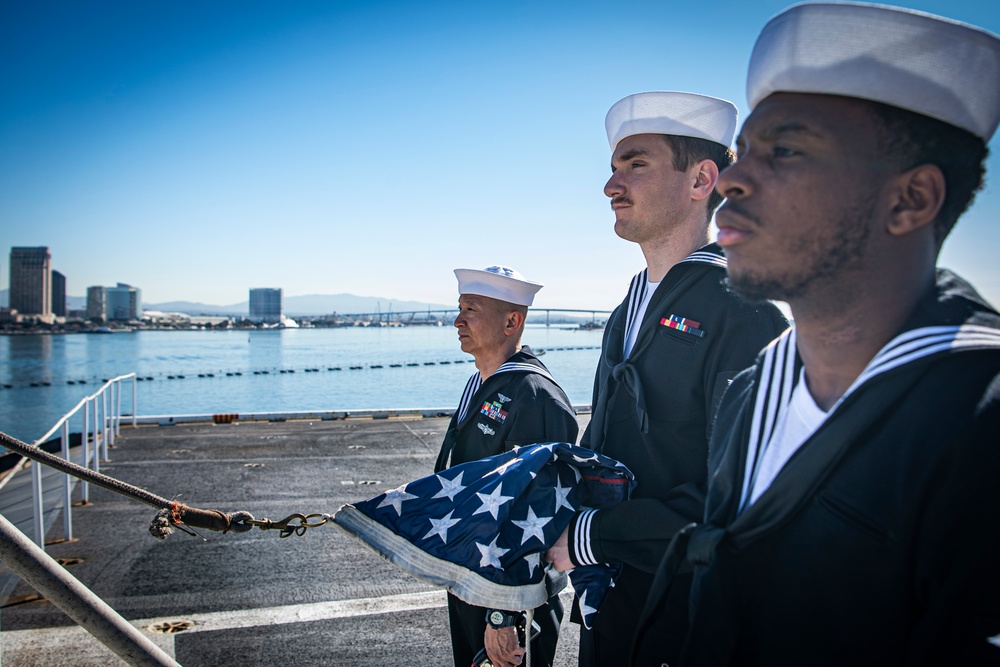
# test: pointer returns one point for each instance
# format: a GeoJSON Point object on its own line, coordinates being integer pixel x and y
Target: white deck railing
{"type": "Point", "coordinates": [101, 416]}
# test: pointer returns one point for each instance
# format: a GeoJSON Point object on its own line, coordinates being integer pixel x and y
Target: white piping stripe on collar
{"type": "Point", "coordinates": [476, 382]}
{"type": "Point", "coordinates": [640, 283]}
{"type": "Point", "coordinates": [778, 377]}
{"type": "Point", "coordinates": [520, 366]}
{"type": "Point", "coordinates": [781, 393]}
{"type": "Point", "coordinates": [775, 391]}
{"type": "Point", "coordinates": [636, 295]}
{"type": "Point", "coordinates": [705, 258]}
{"type": "Point", "coordinates": [925, 341]}
{"type": "Point", "coordinates": [471, 387]}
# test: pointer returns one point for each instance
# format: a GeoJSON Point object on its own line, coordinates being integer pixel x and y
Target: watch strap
{"type": "Point", "coordinates": [498, 618]}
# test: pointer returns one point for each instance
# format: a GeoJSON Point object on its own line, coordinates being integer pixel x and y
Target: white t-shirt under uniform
{"type": "Point", "coordinates": [796, 423]}
{"type": "Point", "coordinates": [633, 330]}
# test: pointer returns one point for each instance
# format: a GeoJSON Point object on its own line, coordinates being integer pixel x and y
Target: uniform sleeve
{"type": "Point", "coordinates": [610, 535]}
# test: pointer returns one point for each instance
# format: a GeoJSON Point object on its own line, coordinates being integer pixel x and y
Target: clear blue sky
{"type": "Point", "coordinates": [196, 150]}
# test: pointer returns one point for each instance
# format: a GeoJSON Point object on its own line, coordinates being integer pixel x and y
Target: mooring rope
{"type": "Point", "coordinates": [171, 514]}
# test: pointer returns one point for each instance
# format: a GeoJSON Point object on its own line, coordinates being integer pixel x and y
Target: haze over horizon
{"type": "Point", "coordinates": [302, 304]}
{"type": "Point", "coordinates": [196, 151]}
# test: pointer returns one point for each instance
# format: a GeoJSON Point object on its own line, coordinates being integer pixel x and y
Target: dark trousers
{"type": "Point", "coordinates": [599, 650]}
{"type": "Point", "coordinates": [662, 643]}
{"type": "Point", "coordinates": [468, 624]}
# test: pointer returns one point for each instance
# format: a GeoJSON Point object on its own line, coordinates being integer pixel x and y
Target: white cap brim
{"type": "Point", "coordinates": [676, 113]}
{"type": "Point", "coordinates": [497, 282]}
{"type": "Point", "coordinates": [923, 63]}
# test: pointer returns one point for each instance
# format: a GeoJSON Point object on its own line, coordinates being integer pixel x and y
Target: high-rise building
{"type": "Point", "coordinates": [265, 305]}
{"type": "Point", "coordinates": [124, 303]}
{"type": "Point", "coordinates": [31, 282]}
{"type": "Point", "coordinates": [58, 294]}
{"type": "Point", "coordinates": [97, 303]}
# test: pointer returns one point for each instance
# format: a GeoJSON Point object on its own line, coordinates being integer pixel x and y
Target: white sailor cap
{"type": "Point", "coordinates": [680, 114]}
{"type": "Point", "coordinates": [497, 282]}
{"type": "Point", "coordinates": [930, 65]}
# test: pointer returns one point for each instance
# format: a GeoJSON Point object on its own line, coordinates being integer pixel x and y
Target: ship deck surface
{"type": "Point", "coordinates": [249, 599]}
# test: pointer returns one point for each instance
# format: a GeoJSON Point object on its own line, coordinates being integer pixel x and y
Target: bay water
{"type": "Point", "coordinates": [44, 376]}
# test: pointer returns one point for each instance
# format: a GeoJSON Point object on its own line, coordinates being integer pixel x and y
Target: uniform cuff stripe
{"type": "Point", "coordinates": [581, 552]}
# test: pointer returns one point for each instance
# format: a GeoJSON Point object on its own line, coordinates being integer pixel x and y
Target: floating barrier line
{"type": "Point", "coordinates": [219, 374]}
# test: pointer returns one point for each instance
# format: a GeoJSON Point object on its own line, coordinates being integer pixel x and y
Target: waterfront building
{"type": "Point", "coordinates": [31, 282]}
{"type": "Point", "coordinates": [97, 304]}
{"type": "Point", "coordinates": [58, 294]}
{"type": "Point", "coordinates": [265, 305]}
{"type": "Point", "coordinates": [124, 303]}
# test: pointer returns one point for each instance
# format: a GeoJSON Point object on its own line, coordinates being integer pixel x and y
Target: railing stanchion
{"type": "Point", "coordinates": [97, 435]}
{"type": "Point", "coordinates": [111, 414]}
{"type": "Point", "coordinates": [85, 446]}
{"type": "Point", "coordinates": [135, 399]}
{"type": "Point", "coordinates": [37, 511]}
{"type": "Point", "coordinates": [67, 486]}
{"type": "Point", "coordinates": [101, 412]}
{"type": "Point", "coordinates": [118, 409]}
{"type": "Point", "coordinates": [108, 425]}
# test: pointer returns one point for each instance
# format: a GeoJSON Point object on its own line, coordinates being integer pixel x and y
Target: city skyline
{"type": "Point", "coordinates": [326, 148]}
{"type": "Point", "coordinates": [87, 305]}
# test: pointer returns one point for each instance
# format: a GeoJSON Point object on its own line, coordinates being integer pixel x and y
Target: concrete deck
{"type": "Point", "coordinates": [249, 599]}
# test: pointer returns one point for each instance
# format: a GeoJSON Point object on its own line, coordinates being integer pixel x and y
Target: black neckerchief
{"type": "Point", "coordinates": [624, 370]}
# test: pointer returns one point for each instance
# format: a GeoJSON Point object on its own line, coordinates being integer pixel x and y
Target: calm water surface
{"type": "Point", "coordinates": [26, 411]}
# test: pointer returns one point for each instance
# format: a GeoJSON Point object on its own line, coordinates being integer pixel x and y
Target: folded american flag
{"type": "Point", "coordinates": [480, 529]}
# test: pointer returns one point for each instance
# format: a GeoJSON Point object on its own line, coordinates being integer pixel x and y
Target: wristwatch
{"type": "Point", "coordinates": [501, 619]}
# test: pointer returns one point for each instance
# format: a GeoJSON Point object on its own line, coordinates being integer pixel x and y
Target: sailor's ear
{"type": "Point", "coordinates": [706, 175]}
{"type": "Point", "coordinates": [918, 195]}
{"type": "Point", "coordinates": [515, 318]}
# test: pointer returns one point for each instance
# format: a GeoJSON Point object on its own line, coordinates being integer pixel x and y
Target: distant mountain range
{"type": "Point", "coordinates": [310, 304]}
